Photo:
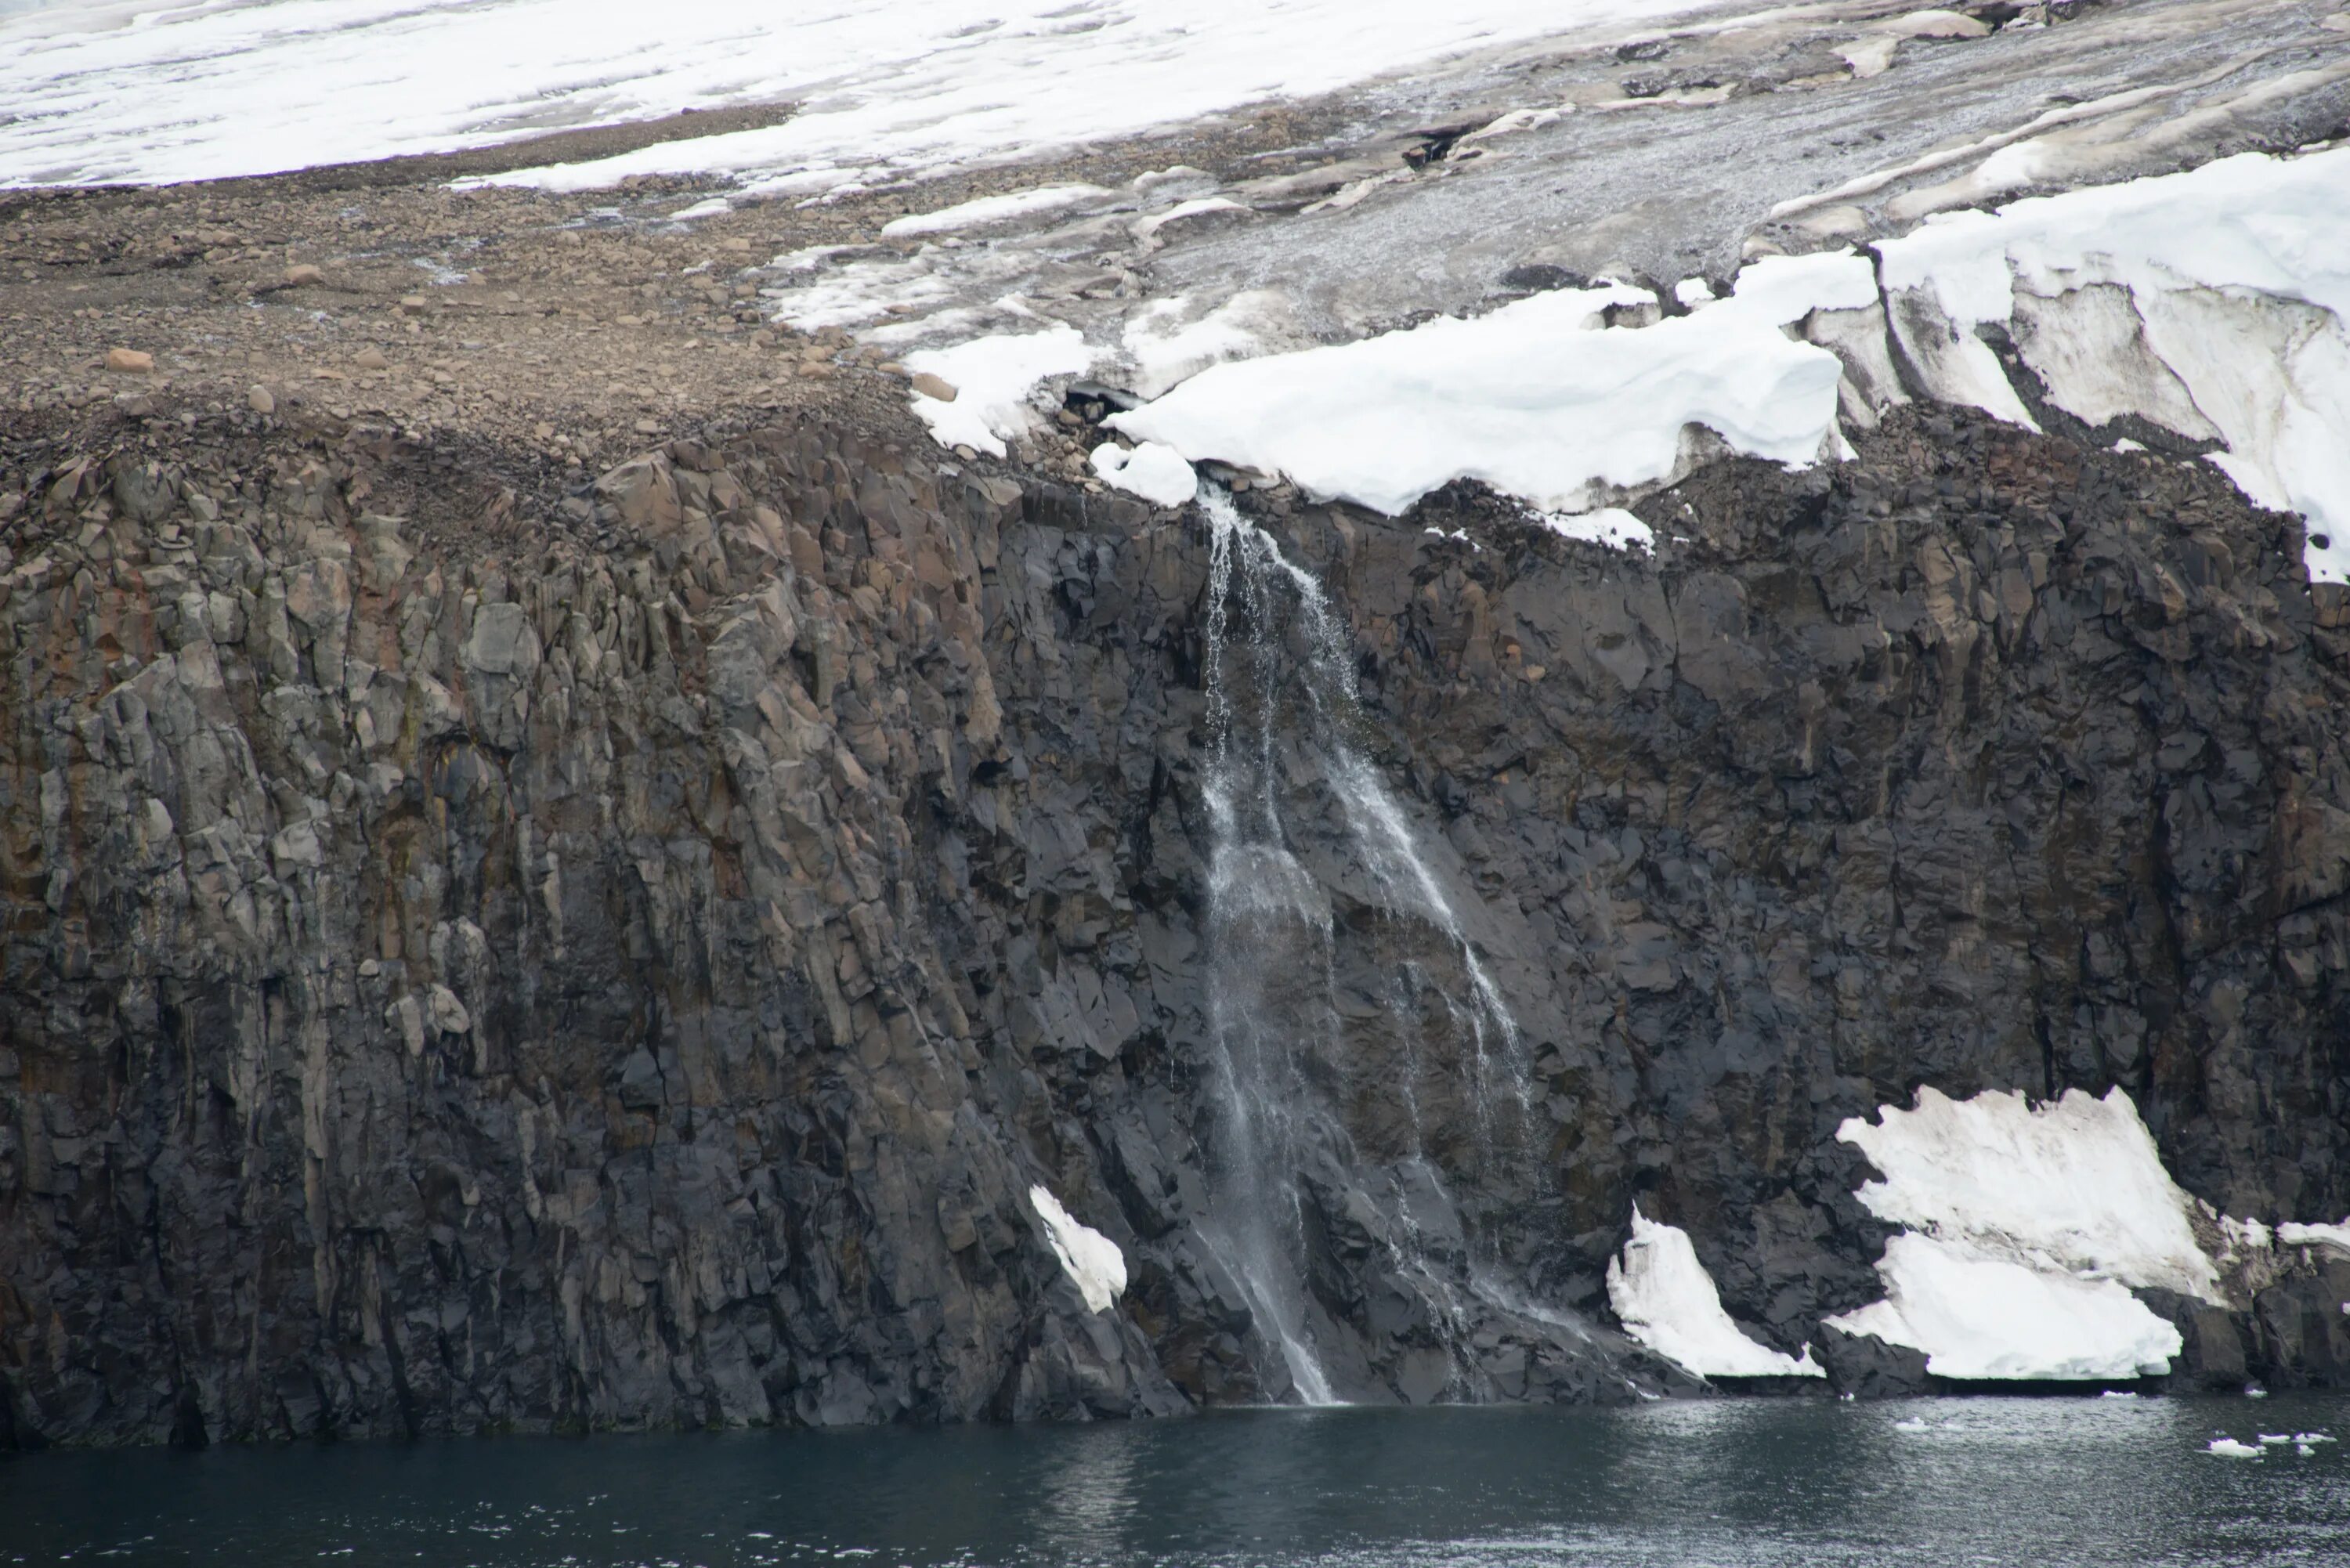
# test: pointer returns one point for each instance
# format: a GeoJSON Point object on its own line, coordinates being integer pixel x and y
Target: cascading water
{"type": "Point", "coordinates": [1281, 699]}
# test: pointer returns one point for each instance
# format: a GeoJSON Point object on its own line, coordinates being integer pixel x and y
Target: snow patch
{"type": "Point", "coordinates": [2337, 1237]}
{"type": "Point", "coordinates": [1170, 342]}
{"type": "Point", "coordinates": [1157, 473]}
{"type": "Point", "coordinates": [1668, 1303]}
{"type": "Point", "coordinates": [1539, 399]}
{"type": "Point", "coordinates": [985, 210]}
{"type": "Point", "coordinates": [2076, 1186]}
{"type": "Point", "coordinates": [2215, 302]}
{"type": "Point", "coordinates": [1609, 526]}
{"type": "Point", "coordinates": [1977, 1316]}
{"type": "Point", "coordinates": [994, 379]}
{"type": "Point", "coordinates": [1090, 1259]}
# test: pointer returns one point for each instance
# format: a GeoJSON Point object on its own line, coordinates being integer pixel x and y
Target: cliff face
{"type": "Point", "coordinates": [467, 968]}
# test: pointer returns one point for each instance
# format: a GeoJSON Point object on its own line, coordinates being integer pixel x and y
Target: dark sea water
{"type": "Point", "coordinates": [1950, 1481]}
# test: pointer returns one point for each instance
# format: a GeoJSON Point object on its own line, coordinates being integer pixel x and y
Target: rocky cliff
{"type": "Point", "coordinates": [481, 953]}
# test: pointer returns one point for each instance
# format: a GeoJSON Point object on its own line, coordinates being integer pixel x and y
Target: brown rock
{"type": "Point", "coordinates": [937, 387]}
{"type": "Point", "coordinates": [302, 275]}
{"type": "Point", "coordinates": [130, 361]}
{"type": "Point", "coordinates": [411, 305]}
{"type": "Point", "coordinates": [370, 360]}
{"type": "Point", "coordinates": [261, 400]}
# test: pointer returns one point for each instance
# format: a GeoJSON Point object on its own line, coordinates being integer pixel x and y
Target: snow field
{"type": "Point", "coordinates": [154, 93]}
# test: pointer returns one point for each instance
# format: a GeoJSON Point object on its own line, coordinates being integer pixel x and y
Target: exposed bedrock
{"type": "Point", "coordinates": [630, 968]}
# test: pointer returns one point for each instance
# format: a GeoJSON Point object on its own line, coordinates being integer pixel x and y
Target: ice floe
{"type": "Point", "coordinates": [1668, 1301]}
{"type": "Point", "coordinates": [1092, 1261]}
{"type": "Point", "coordinates": [2229, 1449]}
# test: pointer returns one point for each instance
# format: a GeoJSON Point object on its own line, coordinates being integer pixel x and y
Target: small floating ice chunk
{"type": "Point", "coordinates": [1668, 1303]}
{"type": "Point", "coordinates": [1913, 1425]}
{"type": "Point", "coordinates": [2275, 1439]}
{"type": "Point", "coordinates": [1091, 1260]}
{"type": "Point", "coordinates": [993, 379]}
{"type": "Point", "coordinates": [1157, 473]}
{"type": "Point", "coordinates": [2311, 1438]}
{"type": "Point", "coordinates": [2229, 1449]}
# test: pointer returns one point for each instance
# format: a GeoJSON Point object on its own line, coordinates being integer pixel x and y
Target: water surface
{"type": "Point", "coordinates": [1729, 1483]}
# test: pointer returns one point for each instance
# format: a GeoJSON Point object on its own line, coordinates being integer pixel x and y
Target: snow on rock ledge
{"type": "Point", "coordinates": [2076, 1186]}
{"type": "Point", "coordinates": [1539, 399]}
{"type": "Point", "coordinates": [1151, 471]}
{"type": "Point", "coordinates": [1990, 1318]}
{"type": "Point", "coordinates": [993, 379]}
{"type": "Point", "coordinates": [1091, 1260]}
{"type": "Point", "coordinates": [1668, 1301]}
{"type": "Point", "coordinates": [2214, 304]}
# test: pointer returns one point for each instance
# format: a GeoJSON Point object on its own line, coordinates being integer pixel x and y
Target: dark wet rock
{"type": "Point", "coordinates": [1866, 1368]}
{"type": "Point", "coordinates": [630, 970]}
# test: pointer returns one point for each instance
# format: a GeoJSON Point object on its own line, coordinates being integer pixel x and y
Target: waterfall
{"type": "Point", "coordinates": [1282, 704]}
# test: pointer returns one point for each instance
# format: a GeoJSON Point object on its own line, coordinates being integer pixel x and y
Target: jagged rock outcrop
{"type": "Point", "coordinates": [630, 967]}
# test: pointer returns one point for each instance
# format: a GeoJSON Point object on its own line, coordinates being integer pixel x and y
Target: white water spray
{"type": "Point", "coordinates": [1281, 694]}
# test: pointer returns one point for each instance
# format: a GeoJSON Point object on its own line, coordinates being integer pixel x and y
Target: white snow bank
{"type": "Point", "coordinates": [2335, 1236]}
{"type": "Point", "coordinates": [2076, 1186]}
{"type": "Point", "coordinates": [1536, 399]}
{"type": "Point", "coordinates": [1668, 1301]}
{"type": "Point", "coordinates": [1986, 1317]}
{"type": "Point", "coordinates": [993, 379]}
{"type": "Point", "coordinates": [982, 211]}
{"type": "Point", "coordinates": [1167, 344]}
{"type": "Point", "coordinates": [1155, 472]}
{"type": "Point", "coordinates": [1609, 526]}
{"type": "Point", "coordinates": [1091, 1260]}
{"type": "Point", "coordinates": [2214, 302]}
{"type": "Point", "coordinates": [205, 91]}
